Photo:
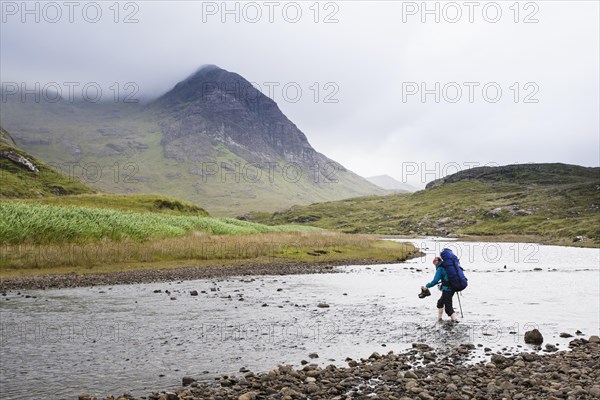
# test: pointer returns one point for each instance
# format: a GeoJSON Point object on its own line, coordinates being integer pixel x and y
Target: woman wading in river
{"type": "Point", "coordinates": [445, 301]}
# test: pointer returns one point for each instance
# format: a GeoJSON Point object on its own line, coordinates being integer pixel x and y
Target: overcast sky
{"type": "Point", "coordinates": [371, 58]}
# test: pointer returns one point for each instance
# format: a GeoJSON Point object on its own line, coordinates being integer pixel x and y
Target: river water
{"type": "Point", "coordinates": [127, 338]}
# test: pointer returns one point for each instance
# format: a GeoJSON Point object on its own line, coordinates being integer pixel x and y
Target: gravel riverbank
{"type": "Point", "coordinates": [420, 373]}
{"type": "Point", "coordinates": [175, 274]}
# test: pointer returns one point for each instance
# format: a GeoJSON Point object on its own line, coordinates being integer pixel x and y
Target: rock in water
{"type": "Point", "coordinates": [187, 380]}
{"type": "Point", "coordinates": [550, 348]}
{"type": "Point", "coordinates": [534, 337]}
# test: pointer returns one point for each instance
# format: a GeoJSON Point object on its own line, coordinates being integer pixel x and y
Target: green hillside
{"type": "Point", "coordinates": [554, 202]}
{"type": "Point", "coordinates": [23, 176]}
{"type": "Point", "coordinates": [6, 139]}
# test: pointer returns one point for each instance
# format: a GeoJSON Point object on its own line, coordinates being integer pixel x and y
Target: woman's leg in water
{"type": "Point", "coordinates": [445, 303]}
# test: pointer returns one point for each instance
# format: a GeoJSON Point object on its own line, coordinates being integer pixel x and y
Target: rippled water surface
{"type": "Point", "coordinates": [127, 338]}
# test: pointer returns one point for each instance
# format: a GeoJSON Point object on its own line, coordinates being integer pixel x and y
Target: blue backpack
{"type": "Point", "coordinates": [456, 276]}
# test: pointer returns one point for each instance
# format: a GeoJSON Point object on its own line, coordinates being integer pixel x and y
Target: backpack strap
{"type": "Point", "coordinates": [445, 282]}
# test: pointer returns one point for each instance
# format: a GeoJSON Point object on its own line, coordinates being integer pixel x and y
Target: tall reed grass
{"type": "Point", "coordinates": [45, 224]}
{"type": "Point", "coordinates": [197, 249]}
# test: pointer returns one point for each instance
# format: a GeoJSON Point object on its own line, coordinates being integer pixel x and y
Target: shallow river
{"type": "Point", "coordinates": [127, 338]}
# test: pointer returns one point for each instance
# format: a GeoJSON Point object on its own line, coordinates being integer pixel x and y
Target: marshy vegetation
{"type": "Point", "coordinates": [42, 239]}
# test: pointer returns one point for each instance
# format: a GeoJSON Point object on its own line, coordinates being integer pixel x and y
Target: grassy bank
{"type": "Point", "coordinates": [39, 239]}
{"type": "Point", "coordinates": [308, 247]}
{"type": "Point", "coordinates": [22, 223]}
{"type": "Point", "coordinates": [124, 202]}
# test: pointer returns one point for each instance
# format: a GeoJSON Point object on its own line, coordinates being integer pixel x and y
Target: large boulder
{"type": "Point", "coordinates": [534, 337]}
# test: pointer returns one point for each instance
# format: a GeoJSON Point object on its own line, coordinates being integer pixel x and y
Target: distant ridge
{"type": "Point", "coordinates": [540, 174]}
{"type": "Point", "coordinates": [548, 203]}
{"type": "Point", "coordinates": [389, 183]}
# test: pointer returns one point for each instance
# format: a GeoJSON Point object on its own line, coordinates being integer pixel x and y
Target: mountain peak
{"type": "Point", "coordinates": [206, 80]}
{"type": "Point", "coordinates": [204, 70]}
{"type": "Point", "coordinates": [208, 67]}
{"type": "Point", "coordinates": [213, 89]}
{"type": "Point", "coordinates": [222, 107]}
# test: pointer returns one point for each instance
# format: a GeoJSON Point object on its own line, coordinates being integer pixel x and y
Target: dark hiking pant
{"type": "Point", "coordinates": [446, 302]}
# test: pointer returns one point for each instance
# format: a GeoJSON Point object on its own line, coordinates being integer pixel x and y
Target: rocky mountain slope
{"type": "Point", "coordinates": [213, 140]}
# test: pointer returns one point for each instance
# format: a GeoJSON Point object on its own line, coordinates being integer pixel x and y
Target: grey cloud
{"type": "Point", "coordinates": [368, 54]}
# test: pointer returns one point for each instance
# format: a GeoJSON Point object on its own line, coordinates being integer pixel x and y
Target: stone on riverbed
{"type": "Point", "coordinates": [248, 396]}
{"type": "Point", "coordinates": [534, 337]}
{"type": "Point", "coordinates": [550, 347]}
{"type": "Point", "coordinates": [561, 375]}
{"type": "Point", "coordinates": [498, 359]}
{"type": "Point", "coordinates": [187, 380]}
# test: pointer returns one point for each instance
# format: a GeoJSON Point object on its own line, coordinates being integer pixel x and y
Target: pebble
{"type": "Point", "coordinates": [248, 396]}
